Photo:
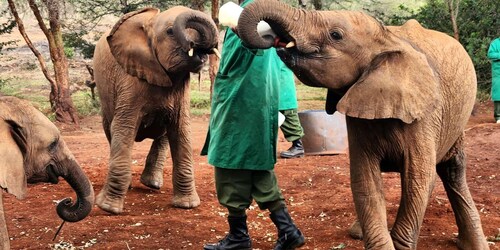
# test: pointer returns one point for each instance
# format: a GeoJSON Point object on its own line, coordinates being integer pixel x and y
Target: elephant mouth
{"type": "Point", "coordinates": [49, 175]}
{"type": "Point", "coordinates": [52, 176]}
{"type": "Point", "coordinates": [198, 59]}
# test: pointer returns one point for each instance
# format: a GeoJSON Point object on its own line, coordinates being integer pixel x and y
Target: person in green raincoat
{"type": "Point", "coordinates": [242, 139]}
{"type": "Point", "coordinates": [494, 56]}
{"type": "Point", "coordinates": [291, 127]}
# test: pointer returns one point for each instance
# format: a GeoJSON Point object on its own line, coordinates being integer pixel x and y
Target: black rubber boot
{"type": "Point", "coordinates": [296, 150]}
{"type": "Point", "coordinates": [289, 236]}
{"type": "Point", "coordinates": [236, 239]}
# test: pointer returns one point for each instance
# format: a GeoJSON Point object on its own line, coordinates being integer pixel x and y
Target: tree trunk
{"type": "Point", "coordinates": [453, 7]}
{"type": "Point", "coordinates": [60, 98]}
{"type": "Point", "coordinates": [213, 59]}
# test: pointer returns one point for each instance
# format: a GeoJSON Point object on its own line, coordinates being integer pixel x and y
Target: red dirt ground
{"type": "Point", "coordinates": [316, 188]}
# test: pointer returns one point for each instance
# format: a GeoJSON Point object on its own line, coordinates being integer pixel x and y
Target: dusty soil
{"type": "Point", "coordinates": [316, 188]}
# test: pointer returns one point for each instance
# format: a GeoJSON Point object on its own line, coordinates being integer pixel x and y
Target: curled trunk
{"type": "Point", "coordinates": [276, 14]}
{"type": "Point", "coordinates": [66, 209]}
{"type": "Point", "coordinates": [202, 24]}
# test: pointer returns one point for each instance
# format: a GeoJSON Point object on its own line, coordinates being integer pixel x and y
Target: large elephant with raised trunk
{"type": "Point", "coordinates": [407, 93]}
{"type": "Point", "coordinates": [142, 69]}
{"type": "Point", "coordinates": [32, 150]}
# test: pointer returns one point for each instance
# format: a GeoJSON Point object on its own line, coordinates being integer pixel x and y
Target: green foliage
{"type": "Point", "coordinates": [200, 98]}
{"type": "Point", "coordinates": [6, 28]}
{"type": "Point", "coordinates": [75, 40]}
{"type": "Point", "coordinates": [84, 103]}
{"type": "Point", "coordinates": [478, 24]}
{"type": "Point", "coordinates": [4, 82]}
{"type": "Point", "coordinates": [69, 52]}
{"type": "Point", "coordinates": [94, 10]}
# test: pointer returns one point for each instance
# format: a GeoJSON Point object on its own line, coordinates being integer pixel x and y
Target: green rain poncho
{"type": "Point", "coordinates": [244, 115]}
{"type": "Point", "coordinates": [494, 56]}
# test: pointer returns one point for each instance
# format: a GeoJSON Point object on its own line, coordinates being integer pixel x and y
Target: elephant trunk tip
{"type": "Point", "coordinates": [70, 212]}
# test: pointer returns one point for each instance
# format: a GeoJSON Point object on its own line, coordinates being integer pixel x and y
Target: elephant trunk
{"type": "Point", "coordinates": [206, 28]}
{"type": "Point", "coordinates": [76, 178]}
{"type": "Point", "coordinates": [275, 13]}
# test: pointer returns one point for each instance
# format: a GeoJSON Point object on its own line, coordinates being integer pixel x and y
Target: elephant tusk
{"type": "Point", "coordinates": [216, 52]}
{"type": "Point", "coordinates": [190, 52]}
{"type": "Point", "coordinates": [290, 45]}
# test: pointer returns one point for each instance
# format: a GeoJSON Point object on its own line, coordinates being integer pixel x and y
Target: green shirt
{"type": "Point", "coordinates": [494, 56]}
{"type": "Point", "coordinates": [288, 94]}
{"type": "Point", "coordinates": [243, 125]}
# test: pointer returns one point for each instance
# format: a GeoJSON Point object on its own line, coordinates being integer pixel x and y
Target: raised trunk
{"type": "Point", "coordinates": [276, 14]}
{"type": "Point", "coordinates": [195, 20]}
{"type": "Point", "coordinates": [66, 209]}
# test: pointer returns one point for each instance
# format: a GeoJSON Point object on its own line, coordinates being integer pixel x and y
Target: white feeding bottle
{"type": "Point", "coordinates": [229, 13]}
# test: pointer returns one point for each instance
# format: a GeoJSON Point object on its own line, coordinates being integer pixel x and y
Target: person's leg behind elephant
{"type": "Point", "coordinates": [293, 132]}
{"type": "Point", "coordinates": [496, 107]}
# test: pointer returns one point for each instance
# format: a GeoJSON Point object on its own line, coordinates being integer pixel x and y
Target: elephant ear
{"type": "Point", "coordinates": [398, 84]}
{"type": "Point", "coordinates": [131, 46]}
{"type": "Point", "coordinates": [12, 149]}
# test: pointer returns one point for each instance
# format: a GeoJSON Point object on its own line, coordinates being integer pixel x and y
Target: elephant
{"type": "Point", "coordinates": [407, 93]}
{"type": "Point", "coordinates": [32, 150]}
{"type": "Point", "coordinates": [142, 69]}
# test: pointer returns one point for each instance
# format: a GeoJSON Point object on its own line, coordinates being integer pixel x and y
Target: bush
{"type": "Point", "coordinates": [69, 52]}
{"type": "Point", "coordinates": [75, 41]}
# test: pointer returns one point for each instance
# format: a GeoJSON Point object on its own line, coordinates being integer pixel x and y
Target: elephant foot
{"type": "Point", "coordinates": [110, 204]}
{"type": "Point", "coordinates": [355, 231]}
{"type": "Point", "coordinates": [152, 180]}
{"type": "Point", "coordinates": [186, 201]}
{"type": "Point", "coordinates": [478, 244]}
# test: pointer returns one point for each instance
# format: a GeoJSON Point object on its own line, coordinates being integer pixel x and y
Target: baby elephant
{"type": "Point", "coordinates": [141, 69]}
{"type": "Point", "coordinates": [32, 150]}
{"type": "Point", "coordinates": [407, 93]}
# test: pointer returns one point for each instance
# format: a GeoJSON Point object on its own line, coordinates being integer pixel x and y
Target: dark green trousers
{"type": "Point", "coordinates": [237, 188]}
{"type": "Point", "coordinates": [291, 128]}
{"type": "Point", "coordinates": [496, 111]}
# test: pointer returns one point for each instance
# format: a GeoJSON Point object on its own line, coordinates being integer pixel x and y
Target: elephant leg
{"type": "Point", "coordinates": [366, 186]}
{"type": "Point", "coordinates": [112, 195]}
{"type": "Point", "coordinates": [355, 230]}
{"type": "Point", "coordinates": [152, 176]}
{"type": "Point", "coordinates": [417, 182]}
{"type": "Point", "coordinates": [185, 195]}
{"type": "Point", "coordinates": [452, 174]}
{"type": "Point", "coordinates": [4, 235]}
{"type": "Point", "coordinates": [106, 125]}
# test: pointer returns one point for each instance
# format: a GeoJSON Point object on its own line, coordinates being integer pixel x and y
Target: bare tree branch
{"type": "Point", "coordinates": [22, 30]}
{"type": "Point", "coordinates": [453, 7]}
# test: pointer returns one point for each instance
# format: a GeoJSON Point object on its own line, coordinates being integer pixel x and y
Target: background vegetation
{"type": "Point", "coordinates": [84, 21]}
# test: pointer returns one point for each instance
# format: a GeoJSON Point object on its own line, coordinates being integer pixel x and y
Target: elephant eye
{"type": "Point", "coordinates": [170, 31]}
{"type": "Point", "coordinates": [53, 145]}
{"type": "Point", "coordinates": [336, 35]}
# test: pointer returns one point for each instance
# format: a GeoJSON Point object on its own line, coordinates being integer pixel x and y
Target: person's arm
{"type": "Point", "coordinates": [494, 50]}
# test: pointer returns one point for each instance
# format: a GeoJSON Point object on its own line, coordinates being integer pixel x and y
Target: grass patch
{"type": "Point", "coordinates": [84, 103]}
{"type": "Point", "coordinates": [483, 95]}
